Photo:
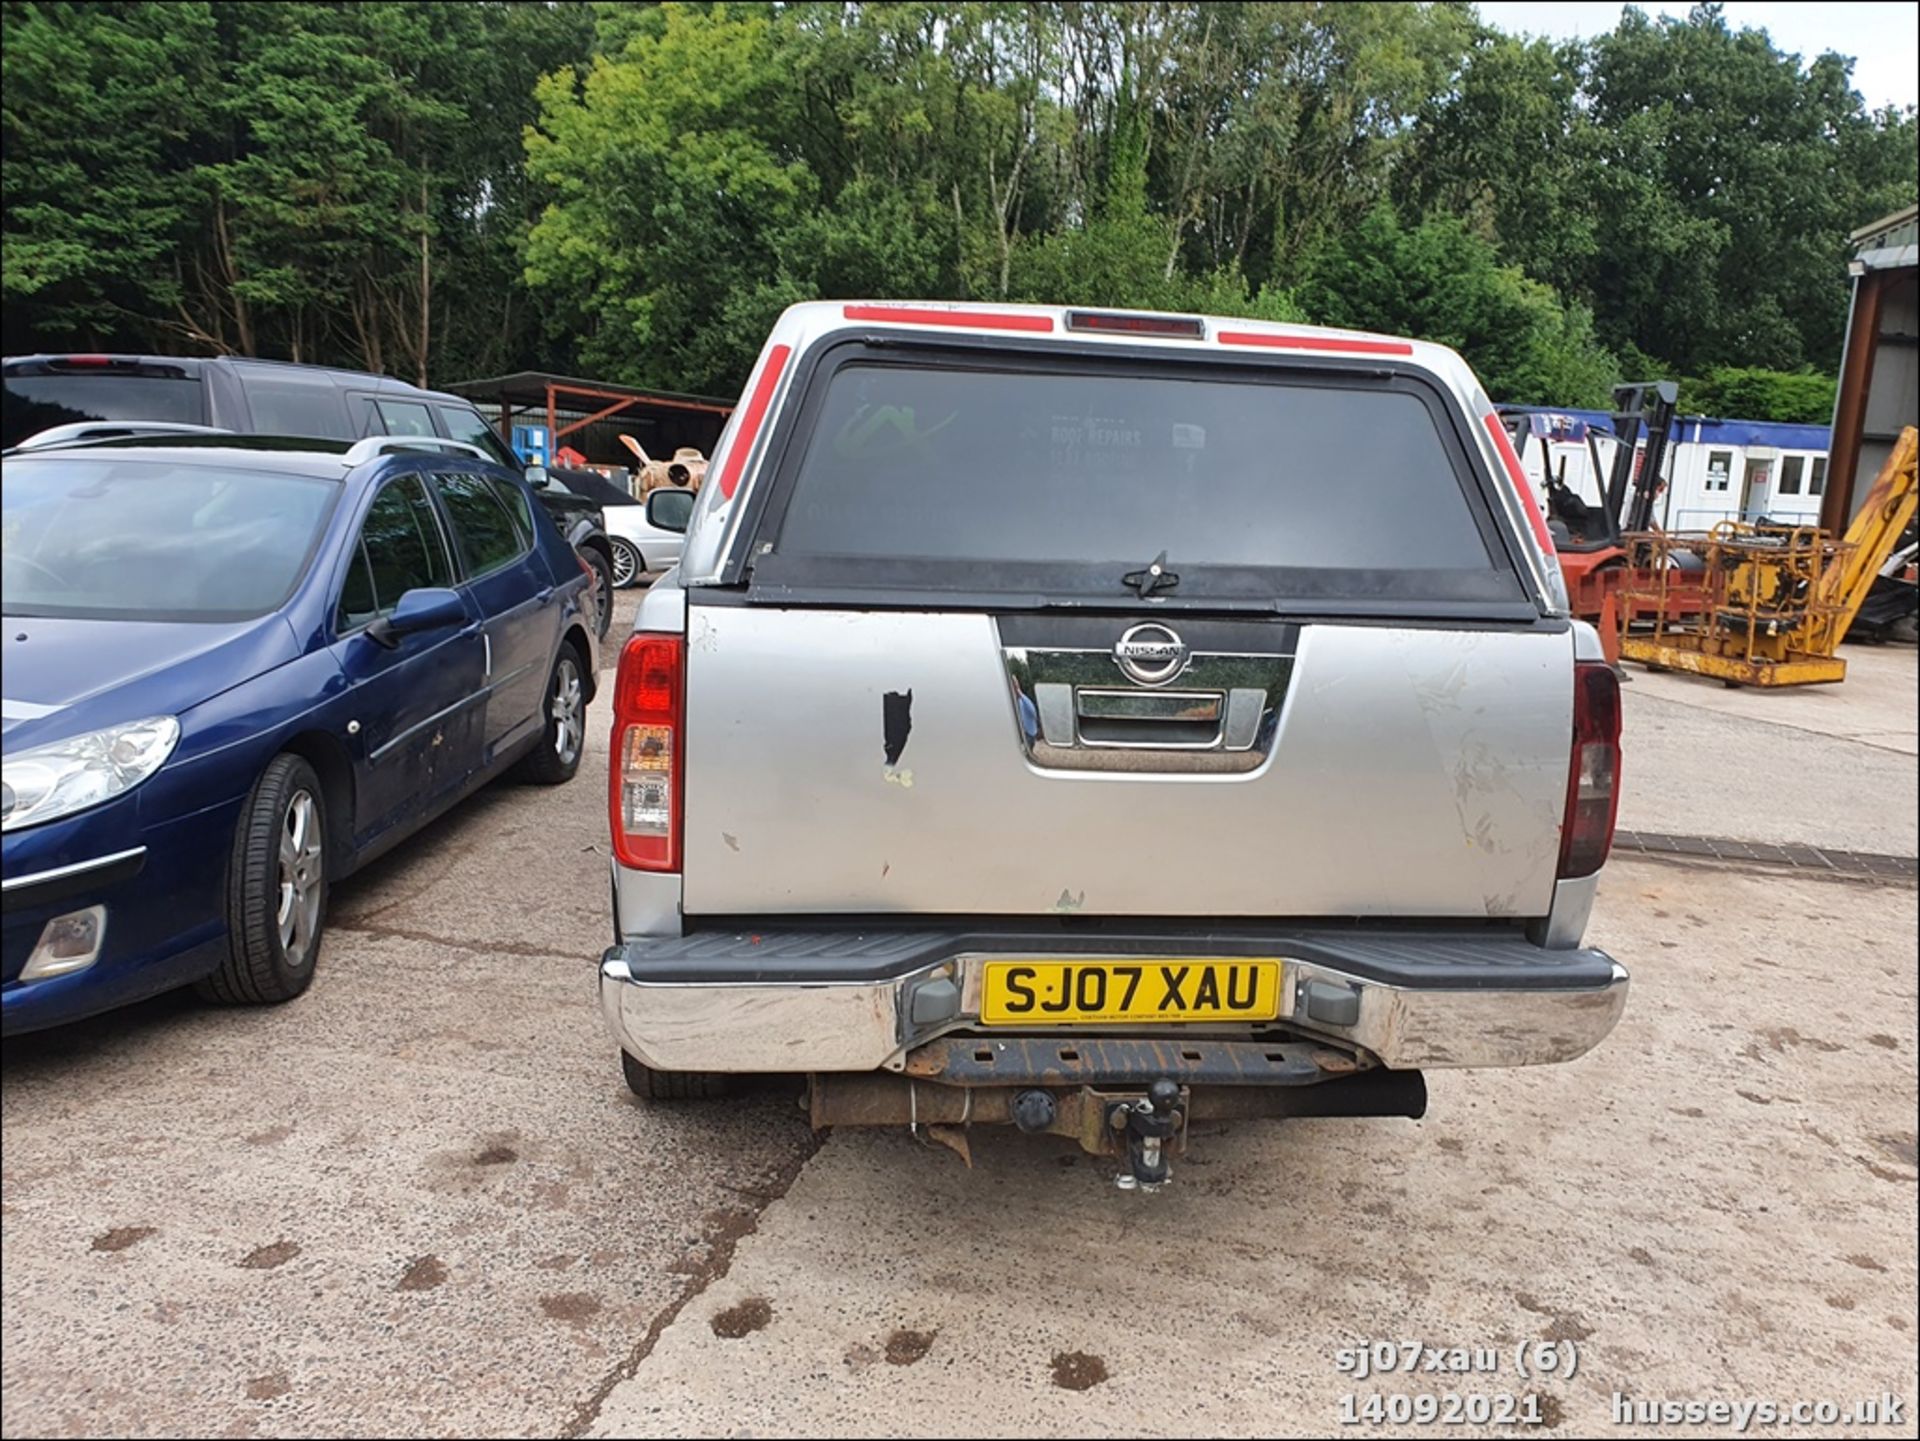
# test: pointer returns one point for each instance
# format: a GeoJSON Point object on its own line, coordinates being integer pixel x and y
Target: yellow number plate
{"type": "Point", "coordinates": [1041, 992]}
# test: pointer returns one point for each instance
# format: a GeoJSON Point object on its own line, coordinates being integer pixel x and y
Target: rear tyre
{"type": "Point", "coordinates": [627, 564]}
{"type": "Point", "coordinates": [276, 889]}
{"type": "Point", "coordinates": [563, 737]}
{"type": "Point", "coordinates": [602, 569]}
{"type": "Point", "coordinates": [652, 1085]}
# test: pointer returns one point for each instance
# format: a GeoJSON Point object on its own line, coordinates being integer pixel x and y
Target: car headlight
{"type": "Point", "coordinates": [62, 777]}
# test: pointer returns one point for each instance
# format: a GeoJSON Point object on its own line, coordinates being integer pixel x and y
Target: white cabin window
{"type": "Point", "coordinates": [1817, 485]}
{"type": "Point", "coordinates": [1719, 468]}
{"type": "Point", "coordinates": [1791, 469]}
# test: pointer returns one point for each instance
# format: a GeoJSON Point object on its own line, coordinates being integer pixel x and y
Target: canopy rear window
{"type": "Point", "coordinates": [1061, 481]}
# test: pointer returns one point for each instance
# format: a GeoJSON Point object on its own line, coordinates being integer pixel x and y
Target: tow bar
{"type": "Point", "coordinates": [1150, 1124]}
{"type": "Point", "coordinates": [1136, 1119]}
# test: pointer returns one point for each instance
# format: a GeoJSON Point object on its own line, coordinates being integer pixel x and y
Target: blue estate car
{"type": "Point", "coordinates": [233, 669]}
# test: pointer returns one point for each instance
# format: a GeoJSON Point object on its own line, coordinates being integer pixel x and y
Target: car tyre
{"type": "Point", "coordinates": [276, 889]}
{"type": "Point", "coordinates": [651, 1085]}
{"type": "Point", "coordinates": [563, 736]}
{"type": "Point", "coordinates": [602, 569]}
{"type": "Point", "coordinates": [627, 564]}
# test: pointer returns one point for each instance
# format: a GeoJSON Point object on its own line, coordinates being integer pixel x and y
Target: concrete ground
{"type": "Point", "coordinates": [1819, 765]}
{"type": "Point", "coordinates": [420, 1201]}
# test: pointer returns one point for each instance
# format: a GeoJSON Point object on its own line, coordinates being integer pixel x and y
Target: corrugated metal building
{"type": "Point", "coordinates": [1880, 366]}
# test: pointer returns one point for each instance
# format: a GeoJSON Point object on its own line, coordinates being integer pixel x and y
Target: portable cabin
{"type": "Point", "coordinates": [1716, 470]}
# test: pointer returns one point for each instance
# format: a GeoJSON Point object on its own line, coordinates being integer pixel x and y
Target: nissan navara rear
{"type": "Point", "coordinates": [1098, 722]}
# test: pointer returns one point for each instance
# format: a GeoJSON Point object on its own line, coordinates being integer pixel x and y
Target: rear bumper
{"type": "Point", "coordinates": [825, 1001]}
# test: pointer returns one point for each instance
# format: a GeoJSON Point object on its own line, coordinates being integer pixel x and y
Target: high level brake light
{"type": "Point", "coordinates": [1593, 780]}
{"type": "Point", "coordinates": [1121, 322]}
{"type": "Point", "coordinates": [647, 780]}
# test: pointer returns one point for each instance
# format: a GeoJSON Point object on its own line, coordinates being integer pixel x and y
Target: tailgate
{"type": "Point", "coordinates": [867, 761]}
{"type": "Point", "coordinates": [1014, 629]}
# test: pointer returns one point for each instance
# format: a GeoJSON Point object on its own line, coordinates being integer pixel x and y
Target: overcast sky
{"type": "Point", "coordinates": [1883, 38]}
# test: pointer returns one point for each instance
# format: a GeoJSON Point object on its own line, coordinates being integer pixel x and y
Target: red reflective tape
{"type": "Point", "coordinates": [966, 319]}
{"type": "Point", "coordinates": [1521, 484]}
{"type": "Point", "coordinates": [1315, 342]}
{"type": "Point", "coordinates": [751, 417]}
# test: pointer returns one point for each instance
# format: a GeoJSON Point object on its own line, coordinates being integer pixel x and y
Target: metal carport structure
{"type": "Point", "coordinates": [571, 405]}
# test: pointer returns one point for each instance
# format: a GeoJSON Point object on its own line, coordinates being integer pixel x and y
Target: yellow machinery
{"type": "Point", "coordinates": [1778, 599]}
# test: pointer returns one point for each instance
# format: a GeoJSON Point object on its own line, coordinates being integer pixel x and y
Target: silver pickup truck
{"type": "Point", "coordinates": [1096, 722]}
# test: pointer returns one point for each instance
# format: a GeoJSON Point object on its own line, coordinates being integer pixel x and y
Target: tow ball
{"type": "Point", "coordinates": [1150, 1125]}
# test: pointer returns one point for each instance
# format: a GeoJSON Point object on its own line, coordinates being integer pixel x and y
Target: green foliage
{"type": "Point", "coordinates": [447, 189]}
{"type": "Point", "coordinates": [1438, 281]}
{"type": "Point", "coordinates": [100, 104]}
{"type": "Point", "coordinates": [1753, 394]}
{"type": "Point", "coordinates": [268, 178]}
{"type": "Point", "coordinates": [1689, 182]}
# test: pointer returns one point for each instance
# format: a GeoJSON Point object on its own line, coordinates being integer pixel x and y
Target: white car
{"type": "Point", "coordinates": [645, 534]}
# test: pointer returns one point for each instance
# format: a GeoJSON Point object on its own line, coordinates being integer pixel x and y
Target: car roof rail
{"type": "Point", "coordinates": [80, 432]}
{"type": "Point", "coordinates": [362, 451]}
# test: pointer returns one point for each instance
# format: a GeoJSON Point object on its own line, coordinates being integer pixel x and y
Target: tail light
{"type": "Point", "coordinates": [649, 706]}
{"type": "Point", "coordinates": [1593, 780]}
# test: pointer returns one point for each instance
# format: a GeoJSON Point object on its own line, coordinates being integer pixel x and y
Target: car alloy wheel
{"type": "Point", "coordinates": [302, 871]}
{"type": "Point", "coordinates": [566, 705]}
{"type": "Point", "coordinates": [626, 565]}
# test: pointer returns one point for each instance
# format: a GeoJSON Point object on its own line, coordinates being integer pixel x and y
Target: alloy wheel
{"type": "Point", "coordinates": [565, 705]}
{"type": "Point", "coordinates": [302, 873]}
{"type": "Point", "coordinates": [626, 565]}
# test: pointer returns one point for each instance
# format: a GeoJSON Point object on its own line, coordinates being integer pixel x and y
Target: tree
{"type": "Point", "coordinates": [1691, 183]}
{"type": "Point", "coordinates": [1748, 393]}
{"type": "Point", "coordinates": [441, 189]}
{"type": "Point", "coordinates": [1438, 281]}
{"type": "Point", "coordinates": [314, 181]}
{"type": "Point", "coordinates": [101, 105]}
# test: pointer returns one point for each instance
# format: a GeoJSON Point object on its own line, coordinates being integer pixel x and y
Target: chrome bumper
{"type": "Point", "coordinates": [691, 1024]}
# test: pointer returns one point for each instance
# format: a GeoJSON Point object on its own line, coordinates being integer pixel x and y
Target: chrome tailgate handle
{"type": "Point", "coordinates": [1187, 720]}
{"type": "Point", "coordinates": [1149, 705]}
{"type": "Point", "coordinates": [1076, 712]}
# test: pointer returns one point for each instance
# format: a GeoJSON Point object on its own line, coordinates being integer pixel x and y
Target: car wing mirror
{"type": "Point", "coordinates": [538, 478]}
{"type": "Point", "coordinates": [670, 510]}
{"type": "Point", "coordinates": [423, 608]}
